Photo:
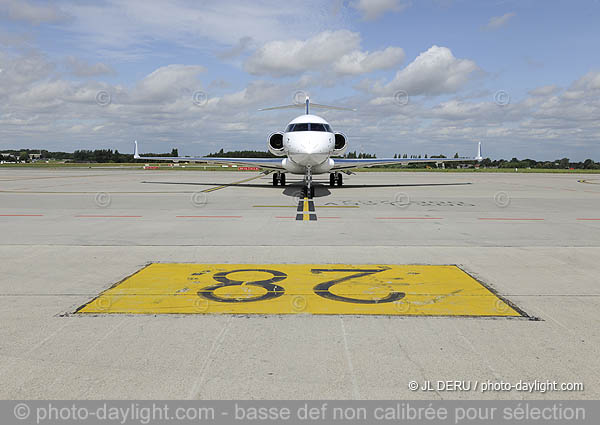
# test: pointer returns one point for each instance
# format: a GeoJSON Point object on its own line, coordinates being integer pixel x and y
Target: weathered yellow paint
{"type": "Point", "coordinates": [305, 210]}
{"type": "Point", "coordinates": [420, 290]}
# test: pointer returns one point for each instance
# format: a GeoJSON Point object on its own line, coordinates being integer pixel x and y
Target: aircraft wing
{"type": "Point", "coordinates": [347, 163]}
{"type": "Point", "coordinates": [268, 163]}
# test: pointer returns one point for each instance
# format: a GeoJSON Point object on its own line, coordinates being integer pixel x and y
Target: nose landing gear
{"type": "Point", "coordinates": [335, 178]}
{"type": "Point", "coordinates": [308, 190]}
{"type": "Point", "coordinates": [278, 178]}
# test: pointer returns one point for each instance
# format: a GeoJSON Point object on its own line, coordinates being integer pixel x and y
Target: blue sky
{"type": "Point", "coordinates": [523, 77]}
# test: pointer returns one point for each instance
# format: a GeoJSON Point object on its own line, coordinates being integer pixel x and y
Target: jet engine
{"type": "Point", "coordinates": [340, 144]}
{"type": "Point", "coordinates": [276, 144]}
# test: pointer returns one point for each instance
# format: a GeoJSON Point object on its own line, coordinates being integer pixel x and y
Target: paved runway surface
{"type": "Point", "coordinates": [68, 235]}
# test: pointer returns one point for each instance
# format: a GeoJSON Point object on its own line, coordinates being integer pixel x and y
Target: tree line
{"type": "Point", "coordinates": [97, 155]}
{"type": "Point", "coordinates": [108, 155]}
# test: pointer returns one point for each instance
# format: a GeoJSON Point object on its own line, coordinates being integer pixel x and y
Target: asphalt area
{"type": "Point", "coordinates": [126, 283]}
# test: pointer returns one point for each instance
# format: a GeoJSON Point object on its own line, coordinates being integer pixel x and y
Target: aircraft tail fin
{"type": "Point", "coordinates": [479, 157]}
{"type": "Point", "coordinates": [308, 105]}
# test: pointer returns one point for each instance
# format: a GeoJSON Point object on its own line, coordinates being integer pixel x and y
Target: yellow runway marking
{"type": "Point", "coordinates": [212, 189]}
{"type": "Point", "coordinates": [305, 210]}
{"type": "Point", "coordinates": [399, 290]}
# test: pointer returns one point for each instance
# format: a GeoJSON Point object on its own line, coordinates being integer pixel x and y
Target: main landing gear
{"type": "Point", "coordinates": [335, 178]}
{"type": "Point", "coordinates": [278, 179]}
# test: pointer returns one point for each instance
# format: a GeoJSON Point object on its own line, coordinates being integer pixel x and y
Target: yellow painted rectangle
{"type": "Point", "coordinates": [415, 290]}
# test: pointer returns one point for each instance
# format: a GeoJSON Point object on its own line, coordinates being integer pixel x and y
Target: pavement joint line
{"type": "Point", "coordinates": [208, 216]}
{"type": "Point", "coordinates": [510, 219]}
{"type": "Point", "coordinates": [310, 215]}
{"type": "Point", "coordinates": [409, 218]}
{"type": "Point", "coordinates": [99, 341]}
{"type": "Point", "coordinates": [21, 215]}
{"type": "Point", "coordinates": [208, 359]}
{"type": "Point", "coordinates": [36, 346]}
{"type": "Point", "coordinates": [481, 355]}
{"type": "Point", "coordinates": [107, 216]}
{"type": "Point", "coordinates": [355, 392]}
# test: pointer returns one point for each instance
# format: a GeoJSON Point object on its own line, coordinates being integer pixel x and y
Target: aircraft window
{"type": "Point", "coordinates": [300, 127]}
{"type": "Point", "coordinates": [307, 126]}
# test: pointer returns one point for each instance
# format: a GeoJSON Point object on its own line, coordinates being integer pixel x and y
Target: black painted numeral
{"type": "Point", "coordinates": [323, 289]}
{"type": "Point", "coordinates": [273, 291]}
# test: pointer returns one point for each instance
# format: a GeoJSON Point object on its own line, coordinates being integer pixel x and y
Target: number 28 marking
{"type": "Point", "coordinates": [322, 289]}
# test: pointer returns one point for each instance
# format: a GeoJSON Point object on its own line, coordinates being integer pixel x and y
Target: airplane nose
{"type": "Point", "coordinates": [309, 150]}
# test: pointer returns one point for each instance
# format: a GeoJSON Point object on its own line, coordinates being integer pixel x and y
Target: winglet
{"type": "Point", "coordinates": [479, 157]}
{"type": "Point", "coordinates": [136, 154]}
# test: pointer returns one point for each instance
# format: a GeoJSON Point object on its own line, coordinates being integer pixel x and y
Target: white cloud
{"type": "Point", "coordinates": [373, 9]}
{"type": "Point", "coordinates": [124, 25]}
{"type": "Point", "coordinates": [31, 12]}
{"type": "Point", "coordinates": [357, 62]}
{"type": "Point", "coordinates": [435, 71]}
{"type": "Point", "coordinates": [329, 50]}
{"type": "Point", "coordinates": [497, 22]}
{"type": "Point", "coordinates": [41, 108]}
{"type": "Point", "coordinates": [590, 81]}
{"type": "Point", "coordinates": [169, 82]}
{"type": "Point", "coordinates": [290, 57]}
{"type": "Point", "coordinates": [81, 68]}
{"type": "Point", "coordinates": [18, 72]}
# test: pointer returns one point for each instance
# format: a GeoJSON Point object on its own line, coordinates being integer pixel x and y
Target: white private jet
{"type": "Point", "coordinates": [310, 147]}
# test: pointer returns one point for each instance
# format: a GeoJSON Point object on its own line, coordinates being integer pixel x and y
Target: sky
{"type": "Point", "coordinates": [425, 77]}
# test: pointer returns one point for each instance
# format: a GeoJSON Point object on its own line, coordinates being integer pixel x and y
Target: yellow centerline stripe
{"type": "Point", "coordinates": [305, 216]}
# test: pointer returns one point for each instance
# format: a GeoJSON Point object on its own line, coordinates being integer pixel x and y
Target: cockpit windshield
{"type": "Point", "coordinates": [317, 127]}
{"type": "Point", "coordinates": [309, 127]}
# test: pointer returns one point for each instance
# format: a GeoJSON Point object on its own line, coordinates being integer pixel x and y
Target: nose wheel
{"type": "Point", "coordinates": [278, 179]}
{"type": "Point", "coordinates": [335, 179]}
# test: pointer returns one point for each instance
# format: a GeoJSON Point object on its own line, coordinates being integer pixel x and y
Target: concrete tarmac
{"type": "Point", "coordinates": [66, 235]}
